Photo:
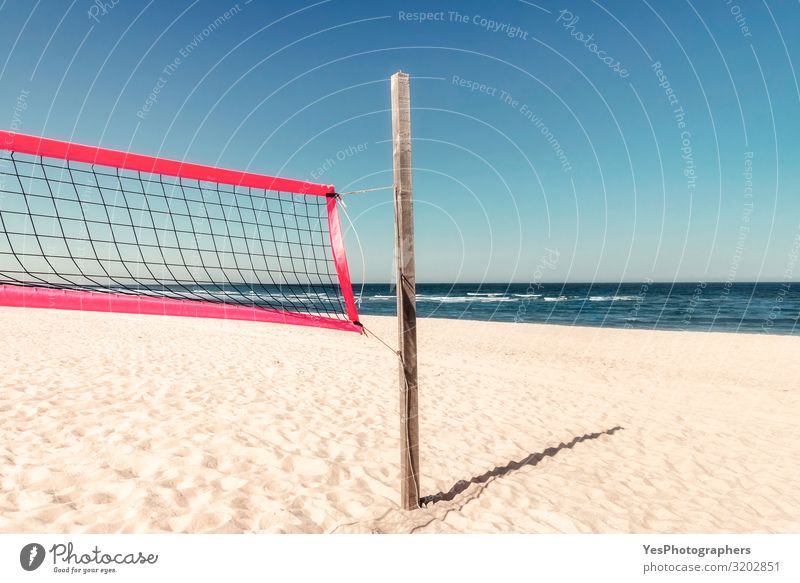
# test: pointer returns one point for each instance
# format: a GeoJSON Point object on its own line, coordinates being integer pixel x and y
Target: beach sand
{"type": "Point", "coordinates": [124, 423]}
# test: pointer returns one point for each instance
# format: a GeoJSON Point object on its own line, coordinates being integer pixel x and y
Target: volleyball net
{"type": "Point", "coordinates": [85, 228]}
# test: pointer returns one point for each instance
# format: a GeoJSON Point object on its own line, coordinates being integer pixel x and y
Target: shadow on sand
{"type": "Point", "coordinates": [500, 471]}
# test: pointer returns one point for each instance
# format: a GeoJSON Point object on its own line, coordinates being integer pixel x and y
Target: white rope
{"type": "Point", "coordinates": [366, 190]}
{"type": "Point", "coordinates": [361, 252]}
{"type": "Point", "coordinates": [397, 353]}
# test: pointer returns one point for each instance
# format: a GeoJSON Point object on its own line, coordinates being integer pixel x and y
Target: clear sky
{"type": "Point", "coordinates": [630, 140]}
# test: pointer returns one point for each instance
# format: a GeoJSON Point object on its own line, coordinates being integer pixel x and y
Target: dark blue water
{"type": "Point", "coordinates": [713, 307]}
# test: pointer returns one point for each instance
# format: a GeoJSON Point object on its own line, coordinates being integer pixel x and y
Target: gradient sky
{"type": "Point", "coordinates": [558, 151]}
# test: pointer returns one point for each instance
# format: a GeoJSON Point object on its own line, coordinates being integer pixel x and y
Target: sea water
{"type": "Point", "coordinates": [769, 308]}
{"type": "Point", "coordinates": [772, 308]}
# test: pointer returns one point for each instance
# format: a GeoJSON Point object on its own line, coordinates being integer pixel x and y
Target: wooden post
{"type": "Point", "coordinates": [406, 292]}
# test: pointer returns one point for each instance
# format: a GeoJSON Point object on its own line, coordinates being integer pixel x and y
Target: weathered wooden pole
{"type": "Point", "coordinates": [406, 291]}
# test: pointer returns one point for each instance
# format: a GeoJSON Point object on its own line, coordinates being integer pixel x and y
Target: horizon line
{"type": "Point", "coordinates": [697, 282]}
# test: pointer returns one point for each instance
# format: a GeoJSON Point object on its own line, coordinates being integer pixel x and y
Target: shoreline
{"type": "Point", "coordinates": [602, 327]}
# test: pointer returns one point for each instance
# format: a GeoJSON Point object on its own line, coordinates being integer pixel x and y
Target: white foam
{"type": "Point", "coordinates": [611, 298]}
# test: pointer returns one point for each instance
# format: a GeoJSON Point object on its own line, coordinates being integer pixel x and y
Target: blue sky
{"type": "Point", "coordinates": [662, 147]}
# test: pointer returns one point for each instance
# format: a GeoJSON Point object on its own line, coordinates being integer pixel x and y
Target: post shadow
{"type": "Point", "coordinates": [499, 471]}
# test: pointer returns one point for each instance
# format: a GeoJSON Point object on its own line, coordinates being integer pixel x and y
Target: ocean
{"type": "Point", "coordinates": [769, 308]}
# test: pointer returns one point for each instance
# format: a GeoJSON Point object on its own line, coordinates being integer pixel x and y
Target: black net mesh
{"type": "Point", "coordinates": [74, 226]}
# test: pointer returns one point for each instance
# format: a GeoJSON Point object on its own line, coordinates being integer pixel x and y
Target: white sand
{"type": "Point", "coordinates": [117, 423]}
